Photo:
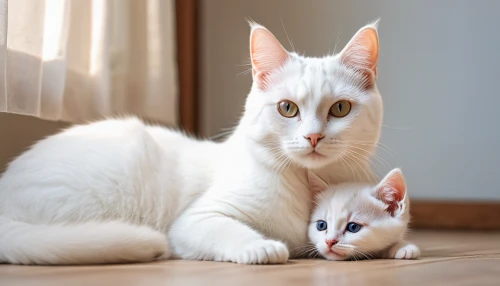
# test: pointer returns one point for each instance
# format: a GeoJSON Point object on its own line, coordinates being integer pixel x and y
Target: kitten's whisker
{"type": "Point", "coordinates": [304, 246]}
{"type": "Point", "coordinates": [367, 255]}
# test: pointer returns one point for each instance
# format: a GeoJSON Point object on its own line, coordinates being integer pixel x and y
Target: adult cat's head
{"type": "Point", "coordinates": [314, 111]}
{"type": "Point", "coordinates": [353, 220]}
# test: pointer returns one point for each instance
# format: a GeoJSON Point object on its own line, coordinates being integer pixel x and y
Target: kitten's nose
{"type": "Point", "coordinates": [314, 138]}
{"type": "Point", "coordinates": [331, 242]}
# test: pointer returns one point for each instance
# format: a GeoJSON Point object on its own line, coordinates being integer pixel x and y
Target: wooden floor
{"type": "Point", "coordinates": [449, 258]}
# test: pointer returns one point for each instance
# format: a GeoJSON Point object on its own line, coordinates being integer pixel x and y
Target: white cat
{"type": "Point", "coordinates": [359, 221]}
{"type": "Point", "coordinates": [115, 190]}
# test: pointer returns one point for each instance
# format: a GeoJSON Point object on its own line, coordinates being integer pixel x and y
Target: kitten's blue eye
{"type": "Point", "coordinates": [321, 225]}
{"type": "Point", "coordinates": [353, 227]}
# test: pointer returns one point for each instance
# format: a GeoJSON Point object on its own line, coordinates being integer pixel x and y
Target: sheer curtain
{"type": "Point", "coordinates": [79, 60]}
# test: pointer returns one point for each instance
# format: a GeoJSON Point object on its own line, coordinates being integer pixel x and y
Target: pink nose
{"type": "Point", "coordinates": [314, 138]}
{"type": "Point", "coordinates": [331, 242]}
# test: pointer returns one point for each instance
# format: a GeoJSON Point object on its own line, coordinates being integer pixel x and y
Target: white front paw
{"type": "Point", "coordinates": [404, 251]}
{"type": "Point", "coordinates": [263, 252]}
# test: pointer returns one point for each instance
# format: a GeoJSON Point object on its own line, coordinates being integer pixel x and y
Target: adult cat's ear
{"type": "Point", "coordinates": [361, 53]}
{"type": "Point", "coordinates": [266, 53]}
{"type": "Point", "coordinates": [316, 184]}
{"type": "Point", "coordinates": [392, 191]}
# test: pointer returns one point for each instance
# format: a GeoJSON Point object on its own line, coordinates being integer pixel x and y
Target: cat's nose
{"type": "Point", "coordinates": [331, 242]}
{"type": "Point", "coordinates": [314, 138]}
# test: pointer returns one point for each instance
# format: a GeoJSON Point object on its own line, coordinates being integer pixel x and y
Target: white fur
{"type": "Point", "coordinates": [245, 200]}
{"type": "Point", "coordinates": [382, 234]}
{"type": "Point", "coordinates": [104, 242]}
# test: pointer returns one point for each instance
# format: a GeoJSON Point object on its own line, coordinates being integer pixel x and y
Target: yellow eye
{"type": "Point", "coordinates": [288, 108]}
{"type": "Point", "coordinates": [340, 108]}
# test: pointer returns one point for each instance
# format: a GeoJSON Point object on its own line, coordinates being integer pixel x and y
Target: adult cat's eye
{"type": "Point", "coordinates": [321, 225]}
{"type": "Point", "coordinates": [353, 227]}
{"type": "Point", "coordinates": [288, 108]}
{"type": "Point", "coordinates": [340, 108]}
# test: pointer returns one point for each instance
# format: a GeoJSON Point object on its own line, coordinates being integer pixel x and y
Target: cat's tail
{"type": "Point", "coordinates": [86, 243]}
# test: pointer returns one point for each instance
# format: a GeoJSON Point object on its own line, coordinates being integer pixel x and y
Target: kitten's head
{"type": "Point", "coordinates": [357, 221]}
{"type": "Point", "coordinates": [314, 111]}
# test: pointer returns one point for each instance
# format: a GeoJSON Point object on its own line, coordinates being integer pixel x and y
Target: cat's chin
{"type": "Point", "coordinates": [334, 256]}
{"type": "Point", "coordinates": [314, 160]}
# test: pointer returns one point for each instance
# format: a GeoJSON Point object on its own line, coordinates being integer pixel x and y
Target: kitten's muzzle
{"type": "Point", "coordinates": [331, 242]}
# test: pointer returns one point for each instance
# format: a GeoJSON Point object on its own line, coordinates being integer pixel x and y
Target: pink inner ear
{"type": "Point", "coordinates": [267, 55]}
{"type": "Point", "coordinates": [392, 190]}
{"type": "Point", "coordinates": [362, 52]}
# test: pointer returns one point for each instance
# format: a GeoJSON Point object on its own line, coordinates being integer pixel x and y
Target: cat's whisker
{"type": "Point", "coordinates": [355, 160]}
{"type": "Point", "coordinates": [377, 144]}
{"type": "Point", "coordinates": [350, 143]}
{"type": "Point", "coordinates": [337, 42]}
{"type": "Point", "coordinates": [378, 158]}
{"type": "Point", "coordinates": [288, 164]}
{"type": "Point", "coordinates": [221, 134]}
{"type": "Point", "coordinates": [316, 255]}
{"type": "Point", "coordinates": [286, 34]}
{"type": "Point", "coordinates": [279, 161]}
{"type": "Point", "coordinates": [245, 72]}
{"type": "Point", "coordinates": [353, 168]}
{"type": "Point", "coordinates": [391, 127]}
{"type": "Point", "coordinates": [345, 162]}
{"type": "Point", "coordinates": [359, 157]}
{"type": "Point", "coordinates": [313, 254]}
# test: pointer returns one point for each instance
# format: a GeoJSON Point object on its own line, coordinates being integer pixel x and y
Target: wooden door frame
{"type": "Point", "coordinates": [187, 61]}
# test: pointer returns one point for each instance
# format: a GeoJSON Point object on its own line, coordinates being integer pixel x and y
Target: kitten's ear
{"type": "Point", "coordinates": [361, 52]}
{"type": "Point", "coordinates": [266, 53]}
{"type": "Point", "coordinates": [316, 184]}
{"type": "Point", "coordinates": [392, 190]}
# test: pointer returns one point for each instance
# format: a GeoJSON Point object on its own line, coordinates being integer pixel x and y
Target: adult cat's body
{"type": "Point", "coordinates": [113, 170]}
{"type": "Point", "coordinates": [77, 197]}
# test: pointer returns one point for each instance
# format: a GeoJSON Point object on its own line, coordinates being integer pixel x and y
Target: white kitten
{"type": "Point", "coordinates": [112, 191]}
{"type": "Point", "coordinates": [359, 221]}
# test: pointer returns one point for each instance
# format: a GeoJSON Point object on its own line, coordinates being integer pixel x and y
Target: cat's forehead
{"type": "Point", "coordinates": [347, 198]}
{"type": "Point", "coordinates": [314, 79]}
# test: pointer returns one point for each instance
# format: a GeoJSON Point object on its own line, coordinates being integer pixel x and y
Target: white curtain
{"type": "Point", "coordinates": [79, 60]}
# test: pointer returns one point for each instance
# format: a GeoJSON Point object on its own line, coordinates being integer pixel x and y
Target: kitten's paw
{"type": "Point", "coordinates": [263, 252]}
{"type": "Point", "coordinates": [404, 250]}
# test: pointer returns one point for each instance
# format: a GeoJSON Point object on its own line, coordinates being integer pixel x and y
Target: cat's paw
{"type": "Point", "coordinates": [263, 252]}
{"type": "Point", "coordinates": [404, 250]}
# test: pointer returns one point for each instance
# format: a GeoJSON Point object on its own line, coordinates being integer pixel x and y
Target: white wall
{"type": "Point", "coordinates": [439, 75]}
